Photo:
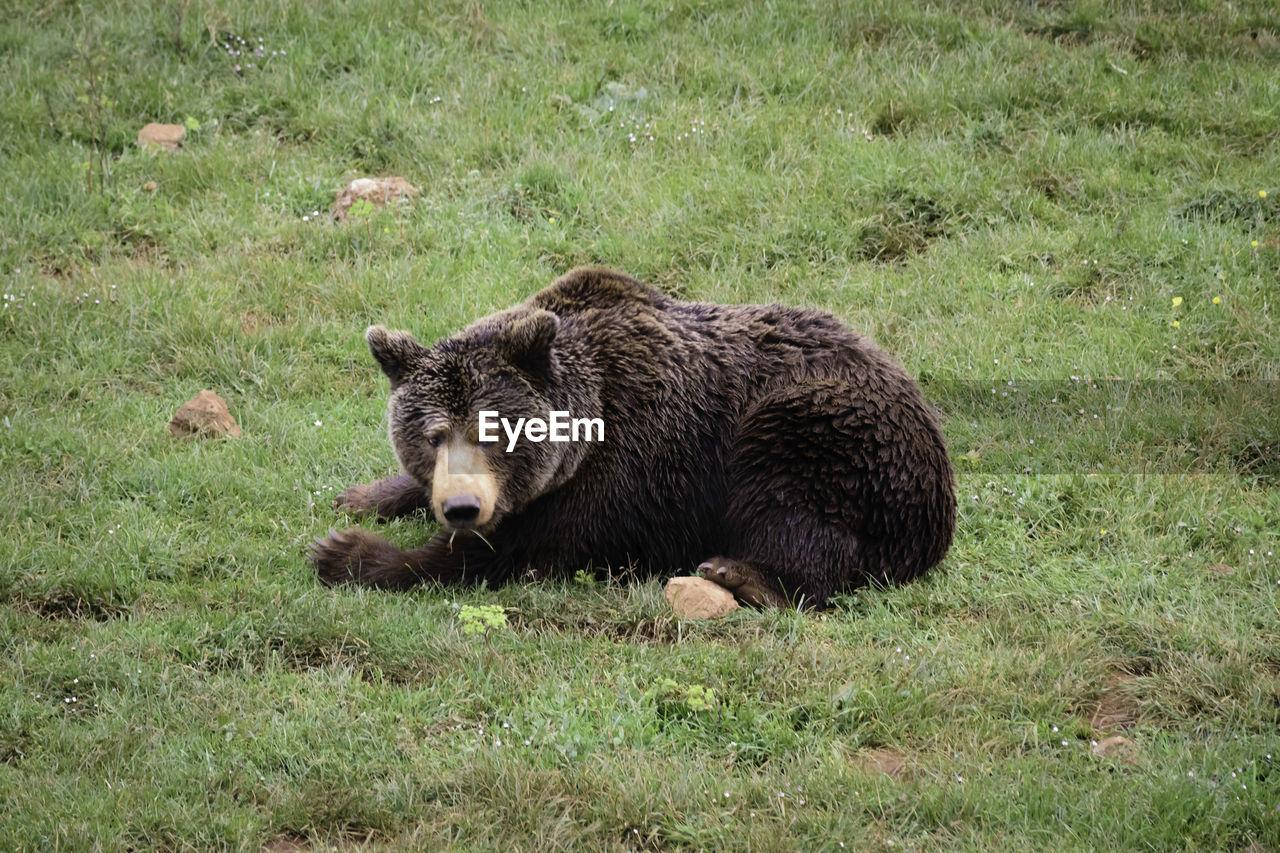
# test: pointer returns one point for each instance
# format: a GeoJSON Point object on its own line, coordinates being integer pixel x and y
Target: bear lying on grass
{"type": "Point", "coordinates": [781, 453]}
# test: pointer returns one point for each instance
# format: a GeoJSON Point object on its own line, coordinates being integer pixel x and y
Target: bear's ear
{"type": "Point", "coordinates": [527, 342]}
{"type": "Point", "coordinates": [396, 352]}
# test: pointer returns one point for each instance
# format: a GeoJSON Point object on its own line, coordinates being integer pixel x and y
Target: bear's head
{"type": "Point", "coordinates": [509, 363]}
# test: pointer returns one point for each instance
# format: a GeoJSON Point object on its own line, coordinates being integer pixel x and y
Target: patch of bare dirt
{"type": "Point", "coordinates": [1118, 708]}
{"type": "Point", "coordinates": [286, 845]}
{"type": "Point", "coordinates": [60, 604]}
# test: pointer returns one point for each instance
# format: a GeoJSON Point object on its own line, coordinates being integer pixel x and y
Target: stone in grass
{"type": "Point", "coordinates": [1117, 748]}
{"type": "Point", "coordinates": [379, 192]}
{"type": "Point", "coordinates": [165, 136]}
{"type": "Point", "coordinates": [885, 761]}
{"type": "Point", "coordinates": [698, 598]}
{"type": "Point", "coordinates": [204, 414]}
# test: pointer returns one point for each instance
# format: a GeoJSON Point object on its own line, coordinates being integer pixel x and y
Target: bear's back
{"type": "Point", "coordinates": [594, 288]}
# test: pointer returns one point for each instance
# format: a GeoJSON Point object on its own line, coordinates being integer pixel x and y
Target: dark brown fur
{"type": "Point", "coordinates": [774, 447]}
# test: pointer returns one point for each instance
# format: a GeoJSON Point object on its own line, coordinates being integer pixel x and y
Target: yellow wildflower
{"type": "Point", "coordinates": [1175, 324]}
{"type": "Point", "coordinates": [1217, 300]}
{"type": "Point", "coordinates": [1262, 193]}
{"type": "Point", "coordinates": [1177, 300]}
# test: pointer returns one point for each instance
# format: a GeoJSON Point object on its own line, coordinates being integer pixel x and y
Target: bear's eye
{"type": "Point", "coordinates": [435, 439]}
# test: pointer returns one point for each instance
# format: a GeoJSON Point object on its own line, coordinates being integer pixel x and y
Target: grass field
{"type": "Point", "coordinates": [1064, 218]}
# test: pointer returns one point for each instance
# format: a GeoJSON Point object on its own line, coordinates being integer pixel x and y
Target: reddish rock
{"type": "Point", "coordinates": [165, 136]}
{"type": "Point", "coordinates": [377, 191]}
{"type": "Point", "coordinates": [698, 598]}
{"type": "Point", "coordinates": [204, 414]}
{"type": "Point", "coordinates": [1117, 748]}
{"type": "Point", "coordinates": [885, 761]}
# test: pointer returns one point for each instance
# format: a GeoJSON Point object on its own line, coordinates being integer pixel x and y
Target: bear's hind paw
{"type": "Point", "coordinates": [745, 581]}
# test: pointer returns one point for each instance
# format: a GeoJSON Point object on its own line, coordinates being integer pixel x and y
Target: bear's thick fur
{"type": "Point", "coordinates": [786, 456]}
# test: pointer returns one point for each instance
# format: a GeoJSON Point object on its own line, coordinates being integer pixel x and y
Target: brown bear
{"type": "Point", "coordinates": [782, 454]}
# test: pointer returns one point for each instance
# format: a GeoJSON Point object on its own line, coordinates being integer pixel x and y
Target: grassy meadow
{"type": "Point", "coordinates": [1064, 218]}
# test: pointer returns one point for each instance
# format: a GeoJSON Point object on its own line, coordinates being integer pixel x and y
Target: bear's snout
{"type": "Point", "coordinates": [461, 510]}
{"type": "Point", "coordinates": [464, 492]}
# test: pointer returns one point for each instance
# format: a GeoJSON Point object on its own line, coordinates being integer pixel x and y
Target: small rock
{"type": "Point", "coordinates": [1221, 569]}
{"type": "Point", "coordinates": [884, 761]}
{"type": "Point", "coordinates": [166, 136]}
{"type": "Point", "coordinates": [150, 186]}
{"type": "Point", "coordinates": [377, 191]}
{"type": "Point", "coordinates": [1118, 748]}
{"type": "Point", "coordinates": [204, 413]}
{"type": "Point", "coordinates": [699, 598]}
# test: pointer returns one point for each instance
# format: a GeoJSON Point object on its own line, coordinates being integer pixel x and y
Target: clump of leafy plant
{"type": "Point", "coordinates": [482, 619]}
{"type": "Point", "coordinates": [677, 699]}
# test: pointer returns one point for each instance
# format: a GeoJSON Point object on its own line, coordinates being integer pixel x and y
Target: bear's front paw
{"type": "Point", "coordinates": [351, 556]}
{"type": "Point", "coordinates": [356, 501]}
{"type": "Point", "coordinates": [745, 581]}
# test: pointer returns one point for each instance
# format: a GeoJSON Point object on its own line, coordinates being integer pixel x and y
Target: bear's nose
{"type": "Point", "coordinates": [461, 510]}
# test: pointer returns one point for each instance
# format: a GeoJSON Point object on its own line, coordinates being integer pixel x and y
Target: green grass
{"type": "Point", "coordinates": [1009, 197]}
